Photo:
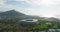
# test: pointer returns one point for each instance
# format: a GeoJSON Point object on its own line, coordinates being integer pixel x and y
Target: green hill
{"type": "Point", "coordinates": [12, 14]}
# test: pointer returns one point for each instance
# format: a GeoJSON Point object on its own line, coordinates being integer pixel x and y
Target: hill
{"type": "Point", "coordinates": [12, 14]}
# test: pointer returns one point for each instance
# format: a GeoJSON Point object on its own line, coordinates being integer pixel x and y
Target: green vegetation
{"type": "Point", "coordinates": [9, 19]}
{"type": "Point", "coordinates": [10, 25]}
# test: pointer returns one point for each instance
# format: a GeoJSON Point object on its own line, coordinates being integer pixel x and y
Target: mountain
{"type": "Point", "coordinates": [12, 14]}
{"type": "Point", "coordinates": [15, 14]}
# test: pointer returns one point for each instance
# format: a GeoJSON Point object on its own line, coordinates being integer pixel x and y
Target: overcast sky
{"type": "Point", "coordinates": [46, 8]}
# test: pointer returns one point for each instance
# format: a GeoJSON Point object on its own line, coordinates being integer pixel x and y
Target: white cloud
{"type": "Point", "coordinates": [50, 2]}
{"type": "Point", "coordinates": [33, 2]}
{"type": "Point", "coordinates": [4, 6]}
{"type": "Point", "coordinates": [47, 8]}
{"type": "Point", "coordinates": [41, 2]}
{"type": "Point", "coordinates": [2, 2]}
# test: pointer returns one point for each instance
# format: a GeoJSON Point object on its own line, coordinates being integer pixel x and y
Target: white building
{"type": "Point", "coordinates": [28, 22]}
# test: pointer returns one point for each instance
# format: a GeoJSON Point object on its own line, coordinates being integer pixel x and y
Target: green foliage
{"type": "Point", "coordinates": [40, 26]}
{"type": "Point", "coordinates": [10, 18]}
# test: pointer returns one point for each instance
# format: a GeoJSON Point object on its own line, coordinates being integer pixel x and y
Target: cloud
{"type": "Point", "coordinates": [47, 8]}
{"type": "Point", "coordinates": [50, 2]}
{"type": "Point", "coordinates": [33, 2]}
{"type": "Point", "coordinates": [4, 6]}
{"type": "Point", "coordinates": [41, 2]}
{"type": "Point", "coordinates": [2, 2]}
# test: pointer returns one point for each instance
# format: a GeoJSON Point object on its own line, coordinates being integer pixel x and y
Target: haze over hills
{"type": "Point", "coordinates": [15, 14]}
{"type": "Point", "coordinates": [12, 14]}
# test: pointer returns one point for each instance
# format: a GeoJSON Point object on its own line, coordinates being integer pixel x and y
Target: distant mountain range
{"type": "Point", "coordinates": [14, 14]}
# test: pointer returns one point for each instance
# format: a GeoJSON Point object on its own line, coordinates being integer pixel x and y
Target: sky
{"type": "Point", "coordinates": [45, 8]}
